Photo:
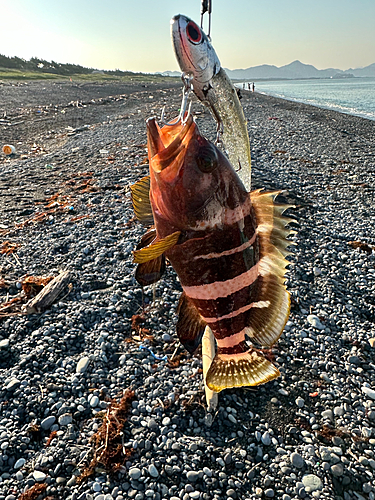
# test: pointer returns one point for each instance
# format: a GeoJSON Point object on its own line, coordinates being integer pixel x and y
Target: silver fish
{"type": "Point", "coordinates": [210, 83]}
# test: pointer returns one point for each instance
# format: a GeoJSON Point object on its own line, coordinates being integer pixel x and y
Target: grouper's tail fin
{"type": "Point", "coordinates": [248, 368]}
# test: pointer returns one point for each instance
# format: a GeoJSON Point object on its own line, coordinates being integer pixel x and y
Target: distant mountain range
{"type": "Point", "coordinates": [292, 71]}
{"type": "Point", "coordinates": [296, 70]}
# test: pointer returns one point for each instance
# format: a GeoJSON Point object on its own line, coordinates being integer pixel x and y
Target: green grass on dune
{"type": "Point", "coordinates": [17, 75]}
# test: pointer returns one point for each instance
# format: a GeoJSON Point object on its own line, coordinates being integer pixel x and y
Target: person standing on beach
{"type": "Point", "coordinates": [253, 87]}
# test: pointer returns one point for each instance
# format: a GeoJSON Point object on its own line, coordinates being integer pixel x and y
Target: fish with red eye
{"type": "Point", "coordinates": [193, 32]}
{"type": "Point", "coordinates": [227, 246]}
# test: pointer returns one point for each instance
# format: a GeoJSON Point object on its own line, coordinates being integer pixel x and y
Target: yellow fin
{"type": "Point", "coordinates": [247, 368]}
{"type": "Point", "coordinates": [156, 249]}
{"type": "Point", "coordinates": [190, 325]}
{"type": "Point", "coordinates": [265, 325]}
{"type": "Point", "coordinates": [140, 192]}
{"type": "Point", "coordinates": [149, 272]}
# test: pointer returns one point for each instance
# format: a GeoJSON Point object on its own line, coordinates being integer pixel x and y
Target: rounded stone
{"type": "Point", "coordinates": [337, 470]}
{"type": "Point", "coordinates": [12, 384]}
{"type": "Point", "coordinates": [153, 471]}
{"type": "Point", "coordinates": [328, 414]}
{"type": "Point", "coordinates": [20, 463]}
{"type": "Point", "coordinates": [192, 476]}
{"type": "Point", "coordinates": [134, 473]}
{"type": "Point", "coordinates": [48, 422]}
{"type": "Point", "coordinates": [297, 460]}
{"type": "Point", "coordinates": [195, 495]}
{"type": "Point", "coordinates": [312, 481]}
{"type": "Point", "coordinates": [315, 322]}
{"type": "Point", "coordinates": [96, 487]}
{"type": "Point", "coordinates": [269, 493]}
{"type": "Point", "coordinates": [82, 364]}
{"type": "Point", "coordinates": [300, 402]}
{"type": "Point", "coordinates": [266, 438]}
{"type": "Point", "coordinates": [94, 401]}
{"type": "Point", "coordinates": [39, 476]}
{"type": "Point", "coordinates": [65, 419]}
{"type": "Point", "coordinates": [369, 392]}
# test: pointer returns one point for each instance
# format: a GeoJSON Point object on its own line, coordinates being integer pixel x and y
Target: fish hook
{"type": "Point", "coordinates": [184, 105]}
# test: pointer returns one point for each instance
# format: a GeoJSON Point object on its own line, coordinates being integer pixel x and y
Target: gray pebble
{"type": "Point", "coordinates": [153, 471]}
{"type": "Point", "coordinates": [20, 463]}
{"type": "Point", "coordinates": [269, 493]}
{"type": "Point", "coordinates": [82, 364]}
{"type": "Point", "coordinates": [134, 473]}
{"type": "Point", "coordinates": [47, 423]}
{"type": "Point", "coordinates": [65, 419]}
{"type": "Point", "coordinates": [39, 476]}
{"type": "Point", "coordinates": [192, 476]}
{"type": "Point", "coordinates": [312, 482]}
{"type": "Point", "coordinates": [297, 460]}
{"type": "Point", "coordinates": [337, 470]}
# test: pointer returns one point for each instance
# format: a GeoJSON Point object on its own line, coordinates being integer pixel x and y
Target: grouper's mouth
{"type": "Point", "coordinates": [167, 145]}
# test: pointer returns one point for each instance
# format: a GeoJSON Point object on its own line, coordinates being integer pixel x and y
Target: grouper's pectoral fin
{"type": "Point", "coordinates": [151, 271]}
{"type": "Point", "coordinates": [150, 258]}
{"type": "Point", "coordinates": [266, 323]}
{"type": "Point", "coordinates": [140, 192]}
{"type": "Point", "coordinates": [190, 325]}
{"type": "Point", "coordinates": [156, 248]}
{"type": "Point", "coordinates": [247, 368]}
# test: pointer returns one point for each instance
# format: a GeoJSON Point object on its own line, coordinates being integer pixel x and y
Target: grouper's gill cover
{"type": "Point", "coordinates": [228, 248]}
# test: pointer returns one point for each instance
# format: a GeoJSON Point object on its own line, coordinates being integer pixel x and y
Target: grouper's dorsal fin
{"type": "Point", "coordinates": [140, 192]}
{"type": "Point", "coordinates": [266, 323]}
{"type": "Point", "coordinates": [190, 325]}
{"type": "Point", "coordinates": [156, 248]}
{"type": "Point", "coordinates": [149, 272]}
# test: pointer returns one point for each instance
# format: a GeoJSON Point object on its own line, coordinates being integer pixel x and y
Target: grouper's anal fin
{"type": "Point", "coordinates": [190, 325]}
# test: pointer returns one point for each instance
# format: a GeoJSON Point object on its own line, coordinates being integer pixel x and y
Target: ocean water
{"type": "Point", "coordinates": [355, 96]}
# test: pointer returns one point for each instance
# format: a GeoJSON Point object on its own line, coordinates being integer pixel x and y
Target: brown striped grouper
{"type": "Point", "coordinates": [227, 246]}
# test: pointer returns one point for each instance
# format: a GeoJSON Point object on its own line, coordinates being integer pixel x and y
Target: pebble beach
{"type": "Point", "coordinates": [65, 206]}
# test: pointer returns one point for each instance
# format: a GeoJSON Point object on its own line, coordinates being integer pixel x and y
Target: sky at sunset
{"type": "Point", "coordinates": [135, 34]}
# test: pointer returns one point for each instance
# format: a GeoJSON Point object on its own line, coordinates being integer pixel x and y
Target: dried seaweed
{"type": "Point", "coordinates": [108, 442]}
{"type": "Point", "coordinates": [32, 285]}
{"type": "Point", "coordinates": [51, 438]}
{"type": "Point", "coordinates": [7, 247]}
{"type": "Point", "coordinates": [55, 204]}
{"type": "Point", "coordinates": [137, 320]}
{"type": "Point", "coordinates": [362, 246]}
{"type": "Point", "coordinates": [327, 433]}
{"type": "Point", "coordinates": [33, 492]}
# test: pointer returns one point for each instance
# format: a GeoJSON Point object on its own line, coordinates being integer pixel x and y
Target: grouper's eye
{"type": "Point", "coordinates": [207, 160]}
{"type": "Point", "coordinates": [193, 32]}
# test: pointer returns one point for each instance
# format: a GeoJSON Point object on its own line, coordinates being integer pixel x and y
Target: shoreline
{"type": "Point", "coordinates": [295, 100]}
{"type": "Point", "coordinates": [300, 90]}
{"type": "Point", "coordinates": [308, 434]}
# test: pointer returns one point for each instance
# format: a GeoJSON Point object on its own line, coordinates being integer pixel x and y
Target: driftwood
{"type": "Point", "coordinates": [48, 295]}
{"type": "Point", "coordinates": [208, 354]}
